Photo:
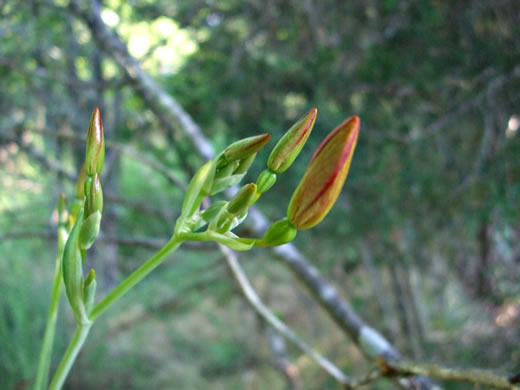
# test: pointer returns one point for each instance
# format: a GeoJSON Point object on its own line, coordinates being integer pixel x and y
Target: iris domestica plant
{"type": "Point", "coordinates": [79, 227]}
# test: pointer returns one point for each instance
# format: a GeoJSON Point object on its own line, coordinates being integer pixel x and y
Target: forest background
{"type": "Point", "coordinates": [422, 245]}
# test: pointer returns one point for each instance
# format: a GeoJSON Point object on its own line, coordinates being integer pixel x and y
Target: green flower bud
{"type": "Point", "coordinates": [242, 199]}
{"type": "Point", "coordinates": [199, 186]}
{"type": "Point", "coordinates": [89, 230]}
{"type": "Point", "coordinates": [246, 147]}
{"type": "Point", "coordinates": [223, 222]}
{"type": "Point", "coordinates": [73, 271]}
{"type": "Point", "coordinates": [291, 144]}
{"type": "Point", "coordinates": [279, 233]}
{"type": "Point", "coordinates": [94, 200]}
{"type": "Point", "coordinates": [95, 151]}
{"type": "Point", "coordinates": [89, 290]}
{"type": "Point", "coordinates": [265, 181]}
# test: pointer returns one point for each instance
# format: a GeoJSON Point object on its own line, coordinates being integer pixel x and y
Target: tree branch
{"type": "Point", "coordinates": [255, 301]}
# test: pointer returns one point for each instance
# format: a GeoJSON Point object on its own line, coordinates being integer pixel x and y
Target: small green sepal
{"type": "Point", "coordinates": [279, 233]}
{"type": "Point", "coordinates": [265, 181]}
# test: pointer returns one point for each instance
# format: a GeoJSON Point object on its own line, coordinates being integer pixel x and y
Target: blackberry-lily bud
{"type": "Point", "coordinates": [77, 203]}
{"type": "Point", "coordinates": [236, 207]}
{"type": "Point", "coordinates": [93, 208]}
{"type": "Point", "coordinates": [286, 151]}
{"type": "Point", "coordinates": [95, 151]}
{"type": "Point", "coordinates": [325, 176]}
{"type": "Point", "coordinates": [246, 147]}
{"type": "Point", "coordinates": [291, 144]}
{"type": "Point", "coordinates": [73, 271]}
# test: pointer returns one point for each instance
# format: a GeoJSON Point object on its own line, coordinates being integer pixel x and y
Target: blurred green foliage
{"type": "Point", "coordinates": [428, 218]}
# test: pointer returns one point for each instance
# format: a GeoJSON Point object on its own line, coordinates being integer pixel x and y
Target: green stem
{"type": "Point", "coordinates": [48, 339]}
{"type": "Point", "coordinates": [80, 335]}
{"type": "Point", "coordinates": [82, 329]}
{"type": "Point", "coordinates": [135, 277]}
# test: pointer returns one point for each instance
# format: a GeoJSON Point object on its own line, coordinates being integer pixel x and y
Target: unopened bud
{"type": "Point", "coordinates": [89, 230]}
{"type": "Point", "coordinates": [242, 199]}
{"type": "Point", "coordinates": [94, 200]}
{"type": "Point", "coordinates": [246, 147]}
{"type": "Point", "coordinates": [95, 151]}
{"type": "Point", "coordinates": [291, 144]}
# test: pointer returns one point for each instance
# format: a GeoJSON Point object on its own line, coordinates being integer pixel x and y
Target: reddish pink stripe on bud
{"type": "Point", "coordinates": [291, 144]}
{"type": "Point", "coordinates": [325, 176]}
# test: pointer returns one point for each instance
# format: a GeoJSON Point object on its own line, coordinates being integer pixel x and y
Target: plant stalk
{"type": "Point", "coordinates": [42, 375]}
{"type": "Point", "coordinates": [135, 277]}
{"type": "Point", "coordinates": [80, 335]}
{"type": "Point", "coordinates": [82, 330]}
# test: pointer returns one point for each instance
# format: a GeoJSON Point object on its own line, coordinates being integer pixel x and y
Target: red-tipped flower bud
{"type": "Point", "coordinates": [325, 176]}
{"type": "Point", "coordinates": [95, 152]}
{"type": "Point", "coordinates": [246, 147]}
{"type": "Point", "coordinates": [291, 144]}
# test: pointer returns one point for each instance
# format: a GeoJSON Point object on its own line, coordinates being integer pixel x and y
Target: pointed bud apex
{"type": "Point", "coordinates": [265, 181]}
{"type": "Point", "coordinates": [89, 290]}
{"type": "Point", "coordinates": [94, 200]}
{"type": "Point", "coordinates": [242, 199]}
{"type": "Point", "coordinates": [80, 183]}
{"type": "Point", "coordinates": [95, 152]}
{"type": "Point", "coordinates": [279, 233]}
{"type": "Point", "coordinates": [246, 147]}
{"type": "Point", "coordinates": [291, 144]}
{"type": "Point", "coordinates": [325, 176]}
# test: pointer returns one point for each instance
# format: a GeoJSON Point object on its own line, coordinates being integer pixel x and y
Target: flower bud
{"type": "Point", "coordinates": [246, 147]}
{"type": "Point", "coordinates": [291, 144]}
{"type": "Point", "coordinates": [95, 151]}
{"type": "Point", "coordinates": [73, 270]}
{"type": "Point", "coordinates": [94, 200]}
{"type": "Point", "coordinates": [89, 230]}
{"type": "Point", "coordinates": [325, 176]}
{"type": "Point", "coordinates": [279, 233]}
{"type": "Point", "coordinates": [265, 181]}
{"type": "Point", "coordinates": [242, 199]}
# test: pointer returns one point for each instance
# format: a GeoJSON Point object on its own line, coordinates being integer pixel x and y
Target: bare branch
{"type": "Point", "coordinates": [255, 301]}
{"type": "Point", "coordinates": [474, 376]}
